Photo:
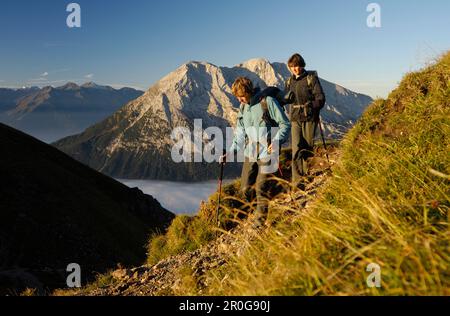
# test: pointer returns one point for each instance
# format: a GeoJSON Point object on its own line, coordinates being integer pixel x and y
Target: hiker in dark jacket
{"type": "Point", "coordinates": [304, 115]}
{"type": "Point", "coordinates": [251, 135]}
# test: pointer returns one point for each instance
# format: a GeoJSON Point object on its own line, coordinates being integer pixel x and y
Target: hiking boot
{"type": "Point", "coordinates": [310, 178]}
{"type": "Point", "coordinates": [298, 186]}
{"type": "Point", "coordinates": [257, 224]}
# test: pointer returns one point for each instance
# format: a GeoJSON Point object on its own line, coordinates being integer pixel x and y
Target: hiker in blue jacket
{"type": "Point", "coordinates": [258, 117]}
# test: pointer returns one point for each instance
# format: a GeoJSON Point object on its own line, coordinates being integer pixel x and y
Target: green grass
{"type": "Point", "coordinates": [387, 203]}
{"type": "Point", "coordinates": [184, 235]}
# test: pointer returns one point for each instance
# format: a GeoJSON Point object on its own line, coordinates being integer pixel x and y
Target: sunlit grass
{"type": "Point", "coordinates": [386, 203]}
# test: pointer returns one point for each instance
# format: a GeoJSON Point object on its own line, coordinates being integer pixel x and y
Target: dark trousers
{"type": "Point", "coordinates": [302, 148]}
{"type": "Point", "coordinates": [254, 182]}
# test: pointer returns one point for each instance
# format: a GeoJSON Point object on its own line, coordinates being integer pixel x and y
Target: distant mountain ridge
{"type": "Point", "coordinates": [135, 141]}
{"type": "Point", "coordinates": [50, 113]}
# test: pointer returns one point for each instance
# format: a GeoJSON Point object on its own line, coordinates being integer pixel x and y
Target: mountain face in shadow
{"type": "Point", "coordinates": [10, 97]}
{"type": "Point", "coordinates": [135, 142]}
{"type": "Point", "coordinates": [55, 211]}
{"type": "Point", "coordinates": [52, 113]}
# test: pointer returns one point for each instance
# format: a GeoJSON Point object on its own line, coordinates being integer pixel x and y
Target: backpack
{"type": "Point", "coordinates": [276, 94]}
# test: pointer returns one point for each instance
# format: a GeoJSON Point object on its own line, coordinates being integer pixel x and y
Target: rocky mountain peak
{"type": "Point", "coordinates": [261, 72]}
{"type": "Point", "coordinates": [141, 130]}
{"type": "Point", "coordinates": [255, 64]}
{"type": "Point", "coordinates": [90, 84]}
{"type": "Point", "coordinates": [69, 86]}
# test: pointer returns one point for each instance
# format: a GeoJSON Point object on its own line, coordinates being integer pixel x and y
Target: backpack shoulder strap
{"type": "Point", "coordinates": [312, 74]}
{"type": "Point", "coordinates": [241, 113]}
{"type": "Point", "coordinates": [266, 113]}
{"type": "Point", "coordinates": [264, 105]}
{"type": "Point", "coordinates": [288, 83]}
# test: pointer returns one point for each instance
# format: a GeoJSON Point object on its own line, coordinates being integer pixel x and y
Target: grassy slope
{"type": "Point", "coordinates": [386, 203]}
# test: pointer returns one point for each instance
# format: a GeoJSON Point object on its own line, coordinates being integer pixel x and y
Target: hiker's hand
{"type": "Point", "coordinates": [223, 159]}
{"type": "Point", "coordinates": [271, 148]}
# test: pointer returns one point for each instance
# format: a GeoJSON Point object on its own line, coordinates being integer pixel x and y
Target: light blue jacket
{"type": "Point", "coordinates": [250, 124]}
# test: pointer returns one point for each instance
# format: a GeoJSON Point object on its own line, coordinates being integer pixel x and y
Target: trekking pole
{"type": "Point", "coordinates": [280, 171]}
{"type": "Point", "coordinates": [323, 140]}
{"type": "Point", "coordinates": [279, 165]}
{"type": "Point", "coordinates": [222, 164]}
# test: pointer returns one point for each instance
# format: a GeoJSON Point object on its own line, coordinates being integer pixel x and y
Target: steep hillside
{"type": "Point", "coordinates": [180, 262]}
{"type": "Point", "coordinates": [384, 206]}
{"type": "Point", "coordinates": [136, 141]}
{"type": "Point", "coordinates": [55, 211]}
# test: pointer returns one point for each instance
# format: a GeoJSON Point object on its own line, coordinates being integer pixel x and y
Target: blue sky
{"type": "Point", "coordinates": [136, 42]}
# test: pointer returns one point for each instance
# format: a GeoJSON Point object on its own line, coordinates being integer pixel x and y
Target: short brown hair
{"type": "Point", "coordinates": [296, 60]}
{"type": "Point", "coordinates": [242, 86]}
